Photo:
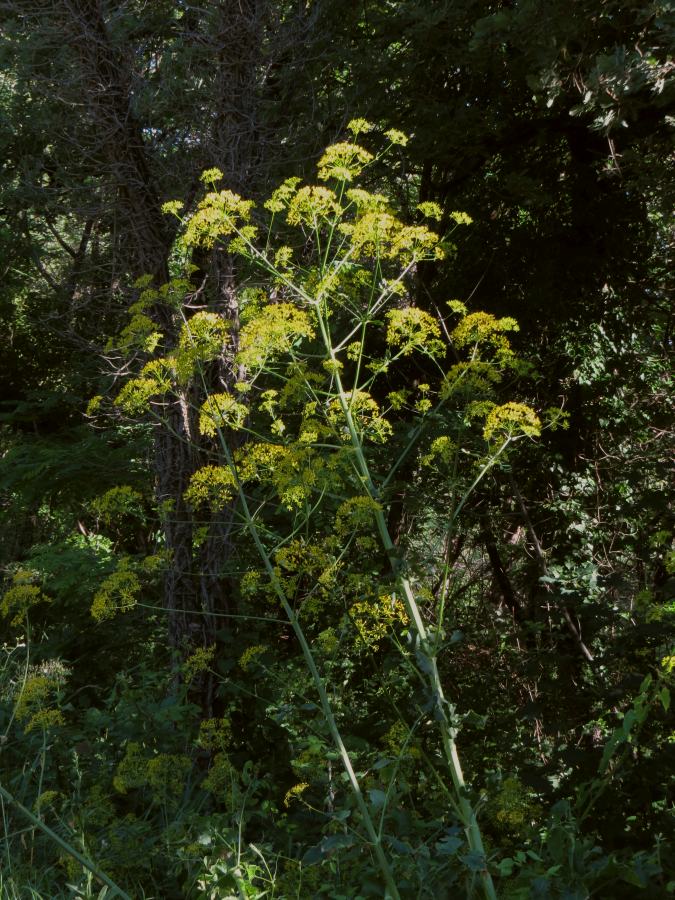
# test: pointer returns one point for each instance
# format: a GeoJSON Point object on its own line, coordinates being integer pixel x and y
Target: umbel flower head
{"type": "Point", "coordinates": [343, 162]}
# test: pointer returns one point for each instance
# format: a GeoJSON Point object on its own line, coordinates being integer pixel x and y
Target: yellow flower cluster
{"type": "Point", "coordinates": [140, 333]}
{"type": "Point", "coordinates": [359, 126]}
{"type": "Point", "coordinates": [296, 473]}
{"type": "Point", "coordinates": [365, 201]}
{"type": "Point", "coordinates": [117, 503]}
{"type": "Point", "coordinates": [305, 569]}
{"type": "Point", "coordinates": [21, 597]}
{"type": "Point", "coordinates": [36, 704]}
{"type": "Point", "coordinates": [510, 420]}
{"type": "Point", "coordinates": [282, 196]}
{"type": "Point", "coordinates": [155, 563]}
{"type": "Point", "coordinates": [442, 448]}
{"type": "Point", "coordinates": [365, 414]}
{"type": "Point", "coordinates": [201, 340]}
{"type": "Point", "coordinates": [378, 233]}
{"type": "Point", "coordinates": [45, 800]}
{"type": "Point", "coordinates": [272, 333]}
{"type": "Point", "coordinates": [172, 207]}
{"type": "Point", "coordinates": [394, 136]}
{"type": "Point", "coordinates": [171, 293]}
{"type": "Point", "coordinates": [356, 514]}
{"type": "Point", "coordinates": [397, 742]}
{"type": "Point", "coordinates": [373, 620]}
{"type": "Point", "coordinates": [117, 593]}
{"type": "Point", "coordinates": [214, 734]}
{"type": "Point", "coordinates": [218, 215]}
{"type": "Point", "coordinates": [295, 793]}
{"type": "Point", "coordinates": [198, 661]}
{"type": "Point", "coordinates": [328, 641]}
{"type": "Point", "coordinates": [312, 205]}
{"type": "Point", "coordinates": [166, 775]}
{"type": "Point", "coordinates": [344, 162]}
{"type": "Point", "coordinates": [668, 664]}
{"type": "Point", "coordinates": [155, 380]}
{"type": "Point", "coordinates": [398, 399]}
{"type": "Point", "coordinates": [512, 809]}
{"type": "Point", "coordinates": [414, 329]}
{"type": "Point", "coordinates": [251, 585]}
{"type": "Point", "coordinates": [283, 259]}
{"type": "Point", "coordinates": [260, 462]}
{"type": "Point", "coordinates": [483, 328]}
{"type": "Point", "coordinates": [221, 411]}
{"type": "Point", "coordinates": [211, 176]}
{"type": "Point", "coordinates": [131, 772]}
{"type": "Point", "coordinates": [211, 486]}
{"type": "Point", "coordinates": [430, 210]}
{"type": "Point", "coordinates": [250, 655]}
{"type": "Point", "coordinates": [461, 218]}
{"type": "Point", "coordinates": [93, 405]}
{"type": "Point", "coordinates": [471, 378]}
{"type": "Point", "coordinates": [222, 776]}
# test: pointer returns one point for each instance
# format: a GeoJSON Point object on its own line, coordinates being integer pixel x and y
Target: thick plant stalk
{"type": "Point", "coordinates": [392, 890]}
{"type": "Point", "coordinates": [426, 646]}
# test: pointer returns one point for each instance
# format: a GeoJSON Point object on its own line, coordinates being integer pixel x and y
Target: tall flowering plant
{"type": "Point", "coordinates": [321, 416]}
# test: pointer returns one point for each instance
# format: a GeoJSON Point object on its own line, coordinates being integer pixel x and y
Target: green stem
{"type": "Point", "coordinates": [468, 814]}
{"type": "Point", "coordinates": [318, 681]}
{"type": "Point", "coordinates": [71, 851]}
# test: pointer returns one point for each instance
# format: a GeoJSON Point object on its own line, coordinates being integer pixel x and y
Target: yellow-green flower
{"type": "Point", "coordinates": [20, 598]}
{"type": "Point", "coordinates": [311, 205]}
{"type": "Point", "coordinates": [359, 126]}
{"type": "Point", "coordinates": [510, 420]}
{"type": "Point", "coordinates": [272, 333]}
{"type": "Point", "coordinates": [117, 593]}
{"type": "Point", "coordinates": [343, 161]}
{"type": "Point", "coordinates": [414, 329]}
{"type": "Point", "coordinates": [295, 793]}
{"type": "Point", "coordinates": [431, 210]}
{"type": "Point", "coordinates": [221, 411]}
{"type": "Point", "coordinates": [211, 486]}
{"type": "Point", "coordinates": [282, 196]}
{"type": "Point", "coordinates": [356, 514]}
{"type": "Point", "coordinates": [373, 619]}
{"type": "Point", "coordinates": [250, 655]}
{"type": "Point", "coordinates": [396, 137]}
{"type": "Point", "coordinates": [199, 661]}
{"type": "Point", "coordinates": [210, 176]}
{"type": "Point", "coordinates": [172, 208]}
{"type": "Point", "coordinates": [36, 705]}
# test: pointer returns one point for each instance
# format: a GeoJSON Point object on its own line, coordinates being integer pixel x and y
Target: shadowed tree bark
{"type": "Point", "coordinates": [135, 102]}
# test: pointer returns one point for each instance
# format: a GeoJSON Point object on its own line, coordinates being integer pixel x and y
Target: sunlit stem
{"type": "Point", "coordinates": [426, 647]}
{"type": "Point", "coordinates": [375, 838]}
